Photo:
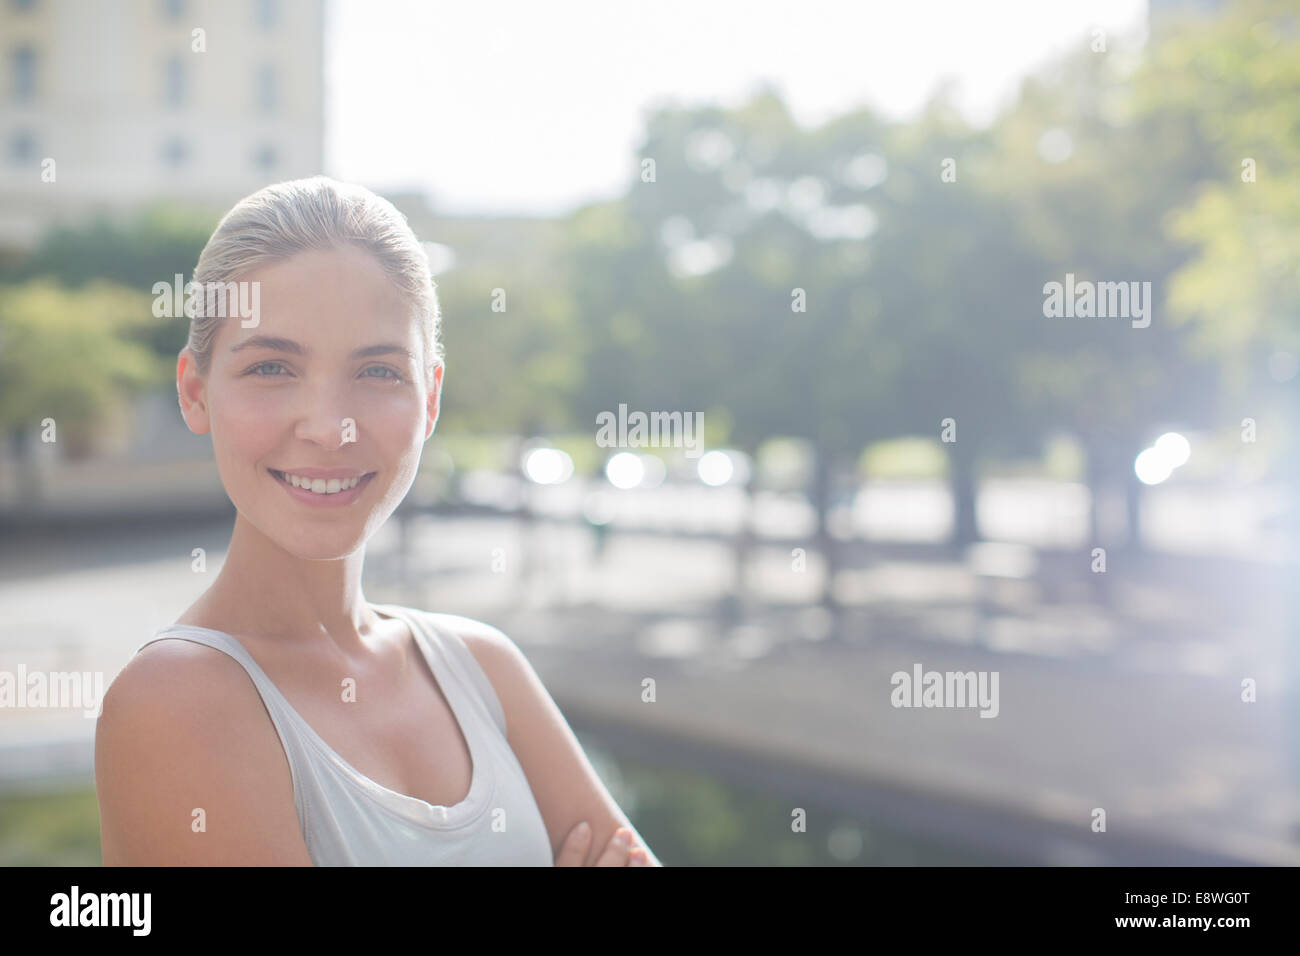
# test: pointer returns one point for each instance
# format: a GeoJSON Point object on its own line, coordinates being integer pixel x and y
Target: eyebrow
{"type": "Point", "coordinates": [277, 344]}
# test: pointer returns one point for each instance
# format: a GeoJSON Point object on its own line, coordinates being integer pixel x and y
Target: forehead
{"type": "Point", "coordinates": [335, 293]}
{"type": "Point", "coordinates": [332, 280]}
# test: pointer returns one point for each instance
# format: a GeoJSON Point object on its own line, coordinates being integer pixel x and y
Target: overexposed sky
{"type": "Point", "coordinates": [520, 106]}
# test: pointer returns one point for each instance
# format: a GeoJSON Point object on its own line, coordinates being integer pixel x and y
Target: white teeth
{"type": "Point", "coordinates": [322, 486]}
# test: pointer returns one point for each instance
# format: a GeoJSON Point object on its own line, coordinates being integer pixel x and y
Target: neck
{"type": "Point", "coordinates": [267, 591]}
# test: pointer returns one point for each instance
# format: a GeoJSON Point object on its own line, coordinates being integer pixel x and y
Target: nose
{"type": "Point", "coordinates": [323, 417]}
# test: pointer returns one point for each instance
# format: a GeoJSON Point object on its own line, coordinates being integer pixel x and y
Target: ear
{"type": "Point", "coordinates": [192, 392]}
{"type": "Point", "coordinates": [434, 405]}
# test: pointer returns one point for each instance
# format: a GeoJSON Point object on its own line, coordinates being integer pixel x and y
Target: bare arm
{"type": "Point", "coordinates": [565, 785]}
{"type": "Point", "coordinates": [183, 729]}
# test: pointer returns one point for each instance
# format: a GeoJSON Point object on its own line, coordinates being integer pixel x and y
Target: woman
{"type": "Point", "coordinates": [283, 720]}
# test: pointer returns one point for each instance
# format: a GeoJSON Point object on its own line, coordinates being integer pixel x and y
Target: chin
{"type": "Point", "coordinates": [323, 547]}
{"type": "Point", "coordinates": [310, 541]}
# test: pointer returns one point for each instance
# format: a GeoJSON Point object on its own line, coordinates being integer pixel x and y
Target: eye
{"type": "Point", "coordinates": [257, 370]}
{"type": "Point", "coordinates": [382, 369]}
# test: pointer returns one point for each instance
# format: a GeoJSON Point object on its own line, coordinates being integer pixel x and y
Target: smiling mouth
{"type": "Point", "coordinates": [321, 486]}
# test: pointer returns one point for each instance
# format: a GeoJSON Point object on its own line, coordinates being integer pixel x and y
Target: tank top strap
{"type": "Point", "coordinates": [450, 650]}
{"type": "Point", "coordinates": [221, 641]}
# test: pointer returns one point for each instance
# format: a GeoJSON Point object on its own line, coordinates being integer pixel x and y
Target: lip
{"type": "Point", "coordinates": [313, 500]}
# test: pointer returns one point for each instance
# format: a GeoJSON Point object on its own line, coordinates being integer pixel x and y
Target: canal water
{"type": "Point", "coordinates": [690, 818]}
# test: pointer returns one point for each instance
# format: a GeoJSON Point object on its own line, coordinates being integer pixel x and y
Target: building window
{"type": "Point", "coordinates": [267, 13]}
{"type": "Point", "coordinates": [22, 148]}
{"type": "Point", "coordinates": [174, 78]}
{"type": "Point", "coordinates": [265, 158]}
{"type": "Point", "coordinates": [267, 92]}
{"type": "Point", "coordinates": [175, 153]}
{"type": "Point", "coordinates": [24, 74]}
{"type": "Point", "coordinates": [173, 9]}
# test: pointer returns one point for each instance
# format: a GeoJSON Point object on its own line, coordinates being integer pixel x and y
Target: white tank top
{"type": "Point", "coordinates": [348, 819]}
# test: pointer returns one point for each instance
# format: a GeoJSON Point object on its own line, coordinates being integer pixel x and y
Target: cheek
{"type": "Point", "coordinates": [395, 423]}
{"type": "Point", "coordinates": [245, 426]}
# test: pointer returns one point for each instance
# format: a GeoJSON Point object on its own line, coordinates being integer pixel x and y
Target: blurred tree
{"type": "Point", "coordinates": [731, 284]}
{"type": "Point", "coordinates": [514, 352]}
{"type": "Point", "coordinates": [1235, 78]}
{"type": "Point", "coordinates": [71, 355]}
{"type": "Point", "coordinates": [958, 283]}
{"type": "Point", "coordinates": [1089, 179]}
{"type": "Point", "coordinates": [152, 245]}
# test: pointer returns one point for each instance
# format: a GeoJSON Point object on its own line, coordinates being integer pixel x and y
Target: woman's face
{"type": "Point", "coordinates": [327, 391]}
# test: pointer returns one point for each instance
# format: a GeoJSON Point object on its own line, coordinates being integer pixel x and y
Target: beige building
{"type": "Point", "coordinates": [110, 103]}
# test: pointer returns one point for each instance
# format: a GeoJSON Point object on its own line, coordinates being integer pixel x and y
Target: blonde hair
{"type": "Point", "coordinates": [284, 219]}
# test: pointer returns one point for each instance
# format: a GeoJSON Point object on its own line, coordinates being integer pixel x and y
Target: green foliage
{"type": "Point", "coordinates": [664, 335]}
{"type": "Point", "coordinates": [515, 368]}
{"type": "Point", "coordinates": [53, 828]}
{"type": "Point", "coordinates": [1235, 79]}
{"type": "Point", "coordinates": [151, 246]}
{"type": "Point", "coordinates": [159, 242]}
{"type": "Point", "coordinates": [72, 354]}
{"type": "Point", "coordinates": [1238, 79]}
{"type": "Point", "coordinates": [1098, 213]}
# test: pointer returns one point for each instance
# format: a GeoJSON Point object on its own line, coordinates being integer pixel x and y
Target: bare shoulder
{"type": "Point", "coordinates": [470, 628]}
{"type": "Point", "coordinates": [168, 673]}
{"type": "Point", "coordinates": [491, 646]}
{"type": "Point", "coordinates": [188, 767]}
